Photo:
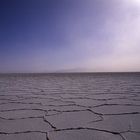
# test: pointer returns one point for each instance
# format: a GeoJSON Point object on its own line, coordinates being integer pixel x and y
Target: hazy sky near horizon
{"type": "Point", "coordinates": [69, 35]}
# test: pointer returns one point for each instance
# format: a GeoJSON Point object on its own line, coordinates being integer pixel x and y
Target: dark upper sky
{"type": "Point", "coordinates": [69, 35]}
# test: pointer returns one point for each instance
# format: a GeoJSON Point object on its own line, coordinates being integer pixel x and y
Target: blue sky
{"type": "Point", "coordinates": [69, 35]}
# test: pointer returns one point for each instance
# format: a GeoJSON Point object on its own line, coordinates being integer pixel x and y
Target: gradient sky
{"type": "Point", "coordinates": [69, 35]}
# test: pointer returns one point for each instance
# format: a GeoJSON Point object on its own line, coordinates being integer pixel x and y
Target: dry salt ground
{"type": "Point", "coordinates": [76, 106]}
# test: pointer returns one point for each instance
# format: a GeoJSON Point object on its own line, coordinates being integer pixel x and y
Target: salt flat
{"type": "Point", "coordinates": [76, 106]}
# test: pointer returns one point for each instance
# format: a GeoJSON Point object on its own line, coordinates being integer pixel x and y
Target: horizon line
{"type": "Point", "coordinates": [69, 72]}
